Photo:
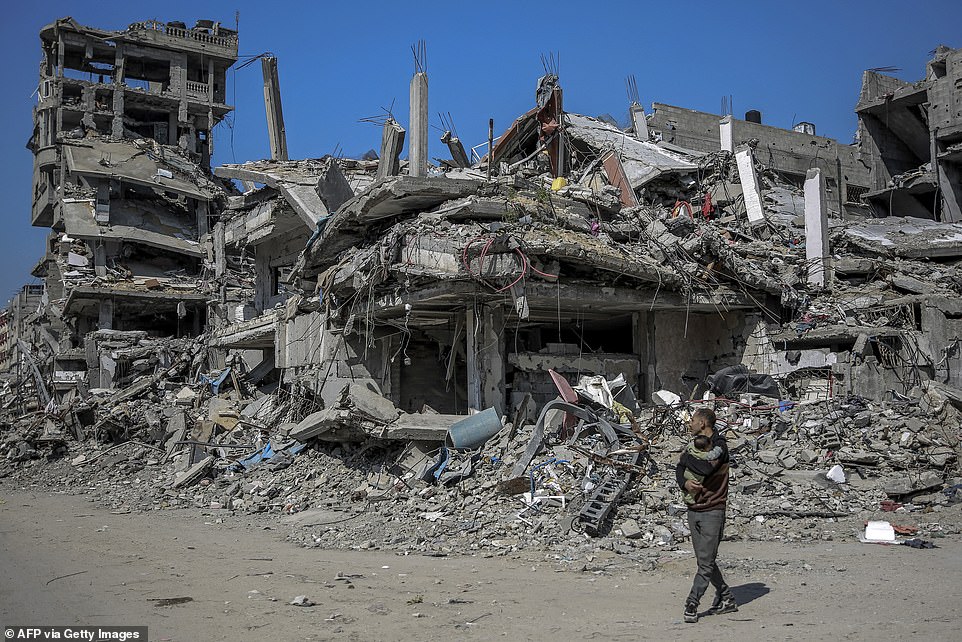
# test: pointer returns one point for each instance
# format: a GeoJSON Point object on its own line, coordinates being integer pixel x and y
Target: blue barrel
{"type": "Point", "coordinates": [472, 432]}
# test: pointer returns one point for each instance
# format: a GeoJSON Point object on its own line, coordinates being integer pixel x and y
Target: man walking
{"type": "Point", "coordinates": [706, 516]}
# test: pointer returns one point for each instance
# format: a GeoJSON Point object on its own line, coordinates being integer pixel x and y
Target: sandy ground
{"type": "Point", "coordinates": [66, 561]}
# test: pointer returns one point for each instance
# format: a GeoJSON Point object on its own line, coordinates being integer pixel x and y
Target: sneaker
{"type": "Point", "coordinates": [691, 613]}
{"type": "Point", "coordinates": [723, 605]}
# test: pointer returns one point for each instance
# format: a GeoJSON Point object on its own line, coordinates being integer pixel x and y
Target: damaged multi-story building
{"type": "Point", "coordinates": [906, 159]}
{"type": "Point", "coordinates": [576, 247]}
{"type": "Point", "coordinates": [911, 138]}
{"type": "Point", "coordinates": [21, 316]}
{"type": "Point", "coordinates": [788, 152]}
{"type": "Point", "coordinates": [122, 143]}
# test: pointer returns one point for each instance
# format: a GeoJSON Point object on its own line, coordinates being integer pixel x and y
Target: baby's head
{"type": "Point", "coordinates": [702, 443]}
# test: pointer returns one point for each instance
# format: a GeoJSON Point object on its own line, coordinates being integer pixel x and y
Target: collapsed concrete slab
{"type": "Point", "coordinates": [642, 161]}
{"type": "Point", "coordinates": [313, 189]}
{"type": "Point", "coordinates": [394, 197]}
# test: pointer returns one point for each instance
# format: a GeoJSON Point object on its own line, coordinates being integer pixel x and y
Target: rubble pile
{"type": "Point", "coordinates": [499, 352]}
{"type": "Point", "coordinates": [811, 470]}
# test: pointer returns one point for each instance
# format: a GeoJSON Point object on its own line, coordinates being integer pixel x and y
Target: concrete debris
{"type": "Point", "coordinates": [459, 358]}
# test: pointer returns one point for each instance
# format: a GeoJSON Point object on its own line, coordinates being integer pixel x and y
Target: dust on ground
{"type": "Point", "coordinates": [67, 561]}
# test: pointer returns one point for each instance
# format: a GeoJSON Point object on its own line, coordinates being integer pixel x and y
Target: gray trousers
{"type": "Point", "coordinates": [707, 529]}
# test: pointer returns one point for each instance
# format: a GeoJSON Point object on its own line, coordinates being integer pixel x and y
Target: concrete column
{"type": "Point", "coordinates": [102, 205]}
{"type": "Point", "coordinates": [639, 346]}
{"type": "Point", "coordinates": [750, 187]}
{"type": "Point", "coordinates": [392, 142]}
{"type": "Point", "coordinates": [198, 321]}
{"type": "Point", "coordinates": [100, 259]}
{"type": "Point", "coordinates": [220, 258]}
{"type": "Point", "coordinates": [208, 150]}
{"type": "Point", "coordinates": [202, 224]}
{"type": "Point", "coordinates": [492, 359]}
{"type": "Point", "coordinates": [520, 301]}
{"type": "Point", "coordinates": [725, 134]}
{"type": "Point", "coordinates": [816, 229]}
{"type": "Point", "coordinates": [472, 341]}
{"type": "Point", "coordinates": [643, 345]}
{"type": "Point", "coordinates": [181, 91]}
{"type": "Point", "coordinates": [418, 145]}
{"type": "Point", "coordinates": [950, 184]}
{"type": "Point", "coordinates": [171, 128]}
{"type": "Point", "coordinates": [639, 123]}
{"type": "Point", "coordinates": [117, 123]}
{"type": "Point", "coordinates": [87, 97]}
{"type": "Point", "coordinates": [43, 123]}
{"type": "Point", "coordinates": [210, 84]}
{"type": "Point", "coordinates": [264, 280]}
{"type": "Point", "coordinates": [458, 155]}
{"type": "Point", "coordinates": [189, 142]}
{"type": "Point", "coordinates": [106, 317]}
{"type": "Point", "coordinates": [60, 56]}
{"type": "Point", "coordinates": [275, 114]}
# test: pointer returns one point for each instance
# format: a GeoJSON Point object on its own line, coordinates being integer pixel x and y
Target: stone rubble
{"type": "Point", "coordinates": [553, 286]}
{"type": "Point", "coordinates": [899, 461]}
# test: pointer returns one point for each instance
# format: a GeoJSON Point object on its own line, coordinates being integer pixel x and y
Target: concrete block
{"type": "Point", "coordinates": [368, 403]}
{"type": "Point", "coordinates": [816, 229]}
{"type": "Point", "coordinates": [767, 456]}
{"type": "Point", "coordinates": [418, 126]}
{"type": "Point", "coordinates": [392, 142]}
{"type": "Point", "coordinates": [912, 484]}
{"type": "Point", "coordinates": [750, 187]}
{"type": "Point", "coordinates": [318, 423]}
{"type": "Point", "coordinates": [193, 473]}
{"type": "Point", "coordinates": [726, 140]}
{"type": "Point", "coordinates": [639, 122]}
{"type": "Point", "coordinates": [631, 529]}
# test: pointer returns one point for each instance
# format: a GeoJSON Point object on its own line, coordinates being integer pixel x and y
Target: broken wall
{"type": "Point", "coordinates": [689, 346]}
{"type": "Point", "coordinates": [786, 151]}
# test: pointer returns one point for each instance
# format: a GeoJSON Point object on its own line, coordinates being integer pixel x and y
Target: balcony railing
{"type": "Point", "coordinates": [197, 35]}
{"type": "Point", "coordinates": [201, 36]}
{"type": "Point", "coordinates": [199, 88]}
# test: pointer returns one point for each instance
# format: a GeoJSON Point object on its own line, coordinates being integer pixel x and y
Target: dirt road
{"type": "Point", "coordinates": [65, 561]}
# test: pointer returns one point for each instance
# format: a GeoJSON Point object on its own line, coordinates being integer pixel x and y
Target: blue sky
{"type": "Point", "coordinates": [341, 61]}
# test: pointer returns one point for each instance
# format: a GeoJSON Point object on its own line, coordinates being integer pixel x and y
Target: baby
{"type": "Point", "coordinates": [699, 448]}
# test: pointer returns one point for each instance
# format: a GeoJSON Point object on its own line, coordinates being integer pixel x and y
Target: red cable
{"type": "Point", "coordinates": [464, 255]}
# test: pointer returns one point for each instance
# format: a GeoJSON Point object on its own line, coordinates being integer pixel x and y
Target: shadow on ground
{"type": "Point", "coordinates": [750, 592]}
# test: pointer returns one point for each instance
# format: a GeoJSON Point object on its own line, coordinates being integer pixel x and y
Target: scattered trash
{"type": "Point", "coordinates": [836, 474]}
{"type": "Point", "coordinates": [918, 543]}
{"type": "Point", "coordinates": [878, 532]}
{"type": "Point", "coordinates": [171, 601]}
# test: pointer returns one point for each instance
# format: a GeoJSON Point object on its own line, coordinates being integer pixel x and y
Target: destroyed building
{"type": "Point", "coordinates": [122, 143]}
{"type": "Point", "coordinates": [911, 137]}
{"type": "Point", "coordinates": [788, 152]}
{"type": "Point", "coordinates": [6, 340]}
{"type": "Point", "coordinates": [21, 315]}
{"type": "Point", "coordinates": [569, 295]}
